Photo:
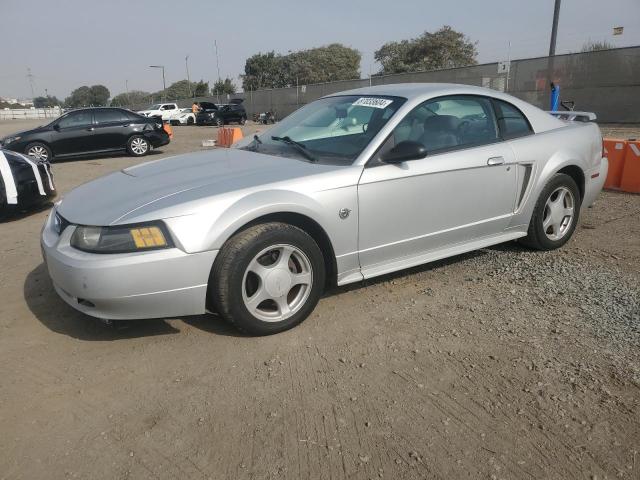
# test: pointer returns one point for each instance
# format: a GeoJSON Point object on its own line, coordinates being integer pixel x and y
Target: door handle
{"type": "Point", "coordinates": [495, 161]}
{"type": "Point", "coordinates": [90, 129]}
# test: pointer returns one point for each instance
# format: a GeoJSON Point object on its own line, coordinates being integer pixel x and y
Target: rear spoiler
{"type": "Point", "coordinates": [572, 116]}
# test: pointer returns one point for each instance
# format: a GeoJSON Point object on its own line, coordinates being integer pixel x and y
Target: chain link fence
{"type": "Point", "coordinates": [606, 82]}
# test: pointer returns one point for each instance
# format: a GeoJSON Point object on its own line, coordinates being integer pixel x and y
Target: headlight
{"type": "Point", "coordinates": [9, 140]}
{"type": "Point", "coordinates": [121, 239]}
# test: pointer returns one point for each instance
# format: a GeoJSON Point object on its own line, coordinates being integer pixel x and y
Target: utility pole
{"type": "Point", "coordinates": [186, 64]}
{"type": "Point", "coordinates": [215, 44]}
{"type": "Point", "coordinates": [30, 77]}
{"type": "Point", "coordinates": [554, 28]}
{"type": "Point", "coordinates": [164, 85]}
{"type": "Point", "coordinates": [126, 87]}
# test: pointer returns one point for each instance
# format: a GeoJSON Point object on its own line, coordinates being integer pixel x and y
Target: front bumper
{"type": "Point", "coordinates": [154, 284]}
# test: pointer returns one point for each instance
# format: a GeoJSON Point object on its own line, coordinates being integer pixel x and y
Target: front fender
{"type": "Point", "coordinates": [210, 230]}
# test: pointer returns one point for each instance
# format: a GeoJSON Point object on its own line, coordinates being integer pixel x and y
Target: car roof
{"type": "Point", "coordinates": [417, 92]}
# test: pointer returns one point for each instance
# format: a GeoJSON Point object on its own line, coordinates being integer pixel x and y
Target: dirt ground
{"type": "Point", "coordinates": [499, 364]}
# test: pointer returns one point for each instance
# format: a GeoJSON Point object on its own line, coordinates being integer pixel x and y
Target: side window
{"type": "Point", "coordinates": [449, 123]}
{"type": "Point", "coordinates": [109, 116]}
{"type": "Point", "coordinates": [512, 122]}
{"type": "Point", "coordinates": [76, 119]}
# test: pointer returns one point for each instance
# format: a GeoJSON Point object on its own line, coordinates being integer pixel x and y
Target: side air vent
{"type": "Point", "coordinates": [525, 174]}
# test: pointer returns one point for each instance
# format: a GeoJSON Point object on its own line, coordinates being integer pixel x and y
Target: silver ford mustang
{"type": "Point", "coordinates": [351, 186]}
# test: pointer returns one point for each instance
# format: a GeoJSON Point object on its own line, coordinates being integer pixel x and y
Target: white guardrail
{"type": "Point", "coordinates": [29, 113]}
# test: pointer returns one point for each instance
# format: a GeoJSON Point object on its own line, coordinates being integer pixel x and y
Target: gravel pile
{"type": "Point", "coordinates": [608, 298]}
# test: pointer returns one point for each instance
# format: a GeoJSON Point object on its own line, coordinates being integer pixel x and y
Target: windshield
{"type": "Point", "coordinates": [331, 130]}
{"type": "Point", "coordinates": [154, 107]}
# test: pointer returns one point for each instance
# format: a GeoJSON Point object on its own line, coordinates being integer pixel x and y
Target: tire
{"type": "Point", "coordinates": [218, 122]}
{"type": "Point", "coordinates": [280, 303]}
{"type": "Point", "coordinates": [551, 225]}
{"type": "Point", "coordinates": [190, 121]}
{"type": "Point", "coordinates": [39, 151]}
{"type": "Point", "coordinates": [243, 120]}
{"type": "Point", "coordinates": [138, 146]}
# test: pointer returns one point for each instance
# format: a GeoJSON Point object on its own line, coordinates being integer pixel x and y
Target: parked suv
{"type": "Point", "coordinates": [211, 114]}
{"type": "Point", "coordinates": [90, 131]}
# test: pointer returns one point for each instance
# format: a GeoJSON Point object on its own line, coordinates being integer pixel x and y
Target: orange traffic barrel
{"type": "Point", "coordinates": [630, 181]}
{"type": "Point", "coordinates": [235, 135]}
{"type": "Point", "coordinates": [615, 150]}
{"type": "Point", "coordinates": [222, 137]}
{"type": "Point", "coordinates": [167, 128]}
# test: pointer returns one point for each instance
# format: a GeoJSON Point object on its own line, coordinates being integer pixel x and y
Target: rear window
{"type": "Point", "coordinates": [512, 122]}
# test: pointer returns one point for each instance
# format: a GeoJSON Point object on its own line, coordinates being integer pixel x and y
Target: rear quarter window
{"type": "Point", "coordinates": [512, 122]}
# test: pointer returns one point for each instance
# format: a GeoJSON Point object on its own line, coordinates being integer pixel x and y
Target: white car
{"type": "Point", "coordinates": [160, 110]}
{"type": "Point", "coordinates": [183, 117]}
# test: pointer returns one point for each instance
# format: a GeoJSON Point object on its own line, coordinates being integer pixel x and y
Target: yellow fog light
{"type": "Point", "coordinates": [148, 237]}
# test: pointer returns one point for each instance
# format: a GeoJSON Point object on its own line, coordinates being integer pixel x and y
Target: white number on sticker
{"type": "Point", "coordinates": [373, 102]}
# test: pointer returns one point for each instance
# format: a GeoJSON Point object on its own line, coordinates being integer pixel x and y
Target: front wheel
{"type": "Point", "coordinates": [555, 215]}
{"type": "Point", "coordinates": [243, 120]}
{"type": "Point", "coordinates": [267, 278]}
{"type": "Point", "coordinates": [219, 122]}
{"type": "Point", "coordinates": [38, 151]}
{"type": "Point", "coordinates": [138, 146]}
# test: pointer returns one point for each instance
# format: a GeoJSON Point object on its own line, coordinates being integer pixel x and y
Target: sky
{"type": "Point", "coordinates": [71, 43]}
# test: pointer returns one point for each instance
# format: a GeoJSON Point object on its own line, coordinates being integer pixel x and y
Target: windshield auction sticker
{"type": "Point", "coordinates": [373, 102]}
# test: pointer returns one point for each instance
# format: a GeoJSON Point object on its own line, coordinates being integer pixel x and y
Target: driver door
{"type": "Point", "coordinates": [464, 189]}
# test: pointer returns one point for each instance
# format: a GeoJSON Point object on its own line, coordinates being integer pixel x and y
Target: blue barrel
{"type": "Point", "coordinates": [555, 97]}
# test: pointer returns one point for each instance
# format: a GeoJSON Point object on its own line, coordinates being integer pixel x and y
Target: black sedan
{"type": "Point", "coordinates": [90, 131]}
{"type": "Point", "coordinates": [24, 182]}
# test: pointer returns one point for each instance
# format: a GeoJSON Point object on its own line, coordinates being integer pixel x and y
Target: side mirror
{"type": "Point", "coordinates": [403, 151]}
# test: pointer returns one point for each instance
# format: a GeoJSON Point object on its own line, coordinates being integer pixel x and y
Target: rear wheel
{"type": "Point", "coordinates": [138, 146]}
{"type": "Point", "coordinates": [555, 215]}
{"type": "Point", "coordinates": [267, 278]}
{"type": "Point", "coordinates": [219, 122]}
{"type": "Point", "coordinates": [38, 151]}
{"type": "Point", "coordinates": [243, 120]}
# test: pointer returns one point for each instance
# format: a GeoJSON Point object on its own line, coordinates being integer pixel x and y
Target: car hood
{"type": "Point", "coordinates": [24, 133]}
{"type": "Point", "coordinates": [136, 192]}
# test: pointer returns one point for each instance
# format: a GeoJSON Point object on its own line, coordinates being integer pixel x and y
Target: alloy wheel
{"type": "Point", "coordinates": [139, 146]}
{"type": "Point", "coordinates": [38, 152]}
{"type": "Point", "coordinates": [558, 213]}
{"type": "Point", "coordinates": [277, 283]}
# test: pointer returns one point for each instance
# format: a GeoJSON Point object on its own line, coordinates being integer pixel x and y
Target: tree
{"type": "Point", "coordinates": [46, 102]}
{"type": "Point", "coordinates": [222, 87]}
{"type": "Point", "coordinates": [97, 95]}
{"type": "Point", "coordinates": [445, 48]}
{"type": "Point", "coordinates": [134, 97]}
{"type": "Point", "coordinates": [182, 89]}
{"type": "Point", "coordinates": [316, 65]}
{"type": "Point", "coordinates": [264, 70]}
{"type": "Point", "coordinates": [201, 89]}
{"type": "Point", "coordinates": [80, 97]}
{"type": "Point", "coordinates": [592, 46]}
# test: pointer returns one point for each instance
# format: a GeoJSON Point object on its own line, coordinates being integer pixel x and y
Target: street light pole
{"type": "Point", "coordinates": [164, 85]}
{"type": "Point", "coordinates": [186, 64]}
{"type": "Point", "coordinates": [215, 44]}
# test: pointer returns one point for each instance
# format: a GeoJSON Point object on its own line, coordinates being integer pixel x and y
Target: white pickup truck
{"type": "Point", "coordinates": [161, 110]}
